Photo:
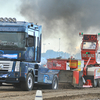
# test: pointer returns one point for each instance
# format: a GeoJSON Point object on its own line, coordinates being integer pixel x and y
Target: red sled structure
{"type": "Point", "coordinates": [84, 72]}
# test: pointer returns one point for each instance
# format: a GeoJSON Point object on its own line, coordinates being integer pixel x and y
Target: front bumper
{"type": "Point", "coordinates": [12, 77]}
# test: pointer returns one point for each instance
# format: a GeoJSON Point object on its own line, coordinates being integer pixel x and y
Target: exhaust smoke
{"type": "Point", "coordinates": [63, 19]}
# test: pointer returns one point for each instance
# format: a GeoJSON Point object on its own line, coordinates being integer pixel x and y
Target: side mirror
{"type": "Point", "coordinates": [30, 41]}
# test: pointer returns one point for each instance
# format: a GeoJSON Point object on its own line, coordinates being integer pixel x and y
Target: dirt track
{"type": "Point", "coordinates": [10, 93]}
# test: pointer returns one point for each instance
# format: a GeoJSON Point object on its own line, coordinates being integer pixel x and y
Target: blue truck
{"type": "Point", "coordinates": [20, 56]}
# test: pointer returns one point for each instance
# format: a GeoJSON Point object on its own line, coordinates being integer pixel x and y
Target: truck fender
{"type": "Point", "coordinates": [31, 71]}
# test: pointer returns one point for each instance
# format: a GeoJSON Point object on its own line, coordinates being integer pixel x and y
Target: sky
{"type": "Point", "coordinates": [61, 20]}
{"type": "Point", "coordinates": [8, 8]}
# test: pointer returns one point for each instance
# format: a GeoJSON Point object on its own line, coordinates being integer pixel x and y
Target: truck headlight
{"type": "Point", "coordinates": [17, 66]}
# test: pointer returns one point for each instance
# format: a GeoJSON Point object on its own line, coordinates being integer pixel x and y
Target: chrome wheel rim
{"type": "Point", "coordinates": [30, 82]}
{"type": "Point", "coordinates": [55, 84]}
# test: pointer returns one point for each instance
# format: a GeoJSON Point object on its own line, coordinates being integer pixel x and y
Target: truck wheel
{"type": "Point", "coordinates": [16, 85]}
{"type": "Point", "coordinates": [54, 84]}
{"type": "Point", "coordinates": [98, 82]}
{"type": "Point", "coordinates": [28, 84]}
{"type": "Point", "coordinates": [0, 84]}
{"type": "Point", "coordinates": [95, 83]}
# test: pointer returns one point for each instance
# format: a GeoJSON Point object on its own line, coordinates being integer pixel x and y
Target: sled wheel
{"type": "Point", "coordinates": [98, 82]}
{"type": "Point", "coordinates": [95, 83]}
{"type": "Point", "coordinates": [28, 84]}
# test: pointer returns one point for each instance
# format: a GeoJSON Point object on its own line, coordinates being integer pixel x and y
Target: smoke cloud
{"type": "Point", "coordinates": [63, 19]}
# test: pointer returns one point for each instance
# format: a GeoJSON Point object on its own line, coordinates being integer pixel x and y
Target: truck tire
{"type": "Point", "coordinates": [54, 84]}
{"type": "Point", "coordinates": [98, 82]}
{"type": "Point", "coordinates": [95, 83]}
{"type": "Point", "coordinates": [28, 84]}
{"type": "Point", "coordinates": [16, 85]}
{"type": "Point", "coordinates": [0, 84]}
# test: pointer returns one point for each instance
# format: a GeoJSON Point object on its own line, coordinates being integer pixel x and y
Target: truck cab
{"type": "Point", "coordinates": [89, 48]}
{"type": "Point", "coordinates": [20, 52]}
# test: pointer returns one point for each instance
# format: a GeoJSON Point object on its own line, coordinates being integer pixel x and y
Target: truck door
{"type": "Point", "coordinates": [34, 44]}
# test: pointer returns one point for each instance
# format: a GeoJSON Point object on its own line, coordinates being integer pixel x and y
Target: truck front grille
{"type": "Point", "coordinates": [6, 66]}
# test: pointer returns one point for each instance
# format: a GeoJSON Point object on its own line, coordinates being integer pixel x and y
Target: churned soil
{"type": "Point", "coordinates": [64, 92]}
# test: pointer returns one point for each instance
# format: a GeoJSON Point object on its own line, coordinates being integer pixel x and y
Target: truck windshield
{"type": "Point", "coordinates": [89, 45]}
{"type": "Point", "coordinates": [12, 40]}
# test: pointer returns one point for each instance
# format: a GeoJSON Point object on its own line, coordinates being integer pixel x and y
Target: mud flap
{"type": "Point", "coordinates": [77, 79]}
